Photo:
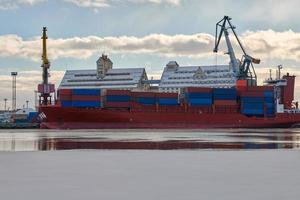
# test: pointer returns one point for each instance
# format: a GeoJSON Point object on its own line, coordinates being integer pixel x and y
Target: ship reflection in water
{"type": "Point", "coordinates": [43, 140]}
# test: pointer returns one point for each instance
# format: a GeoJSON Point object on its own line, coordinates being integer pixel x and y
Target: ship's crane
{"type": "Point", "coordinates": [45, 88]}
{"type": "Point", "coordinates": [242, 69]}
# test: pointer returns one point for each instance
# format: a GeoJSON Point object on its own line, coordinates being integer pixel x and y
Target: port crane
{"type": "Point", "coordinates": [243, 69]}
{"type": "Point", "coordinates": [45, 88]}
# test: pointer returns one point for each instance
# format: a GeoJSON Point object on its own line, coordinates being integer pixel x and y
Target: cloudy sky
{"type": "Point", "coordinates": [139, 33]}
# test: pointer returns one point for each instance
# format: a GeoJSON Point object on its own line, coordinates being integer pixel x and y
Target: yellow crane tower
{"type": "Point", "coordinates": [45, 89]}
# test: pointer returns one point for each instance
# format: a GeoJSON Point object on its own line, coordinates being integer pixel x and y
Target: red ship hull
{"type": "Point", "coordinates": [79, 118]}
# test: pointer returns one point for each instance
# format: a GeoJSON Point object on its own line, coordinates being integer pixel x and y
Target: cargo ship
{"type": "Point", "coordinates": [100, 100]}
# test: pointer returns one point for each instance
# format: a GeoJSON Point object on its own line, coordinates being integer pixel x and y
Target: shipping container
{"type": "Point", "coordinates": [225, 91]}
{"type": "Point", "coordinates": [198, 95]}
{"type": "Point", "coordinates": [202, 101]}
{"type": "Point", "coordinates": [143, 94]}
{"type": "Point", "coordinates": [65, 97]}
{"type": "Point", "coordinates": [32, 116]}
{"type": "Point", "coordinates": [66, 103]}
{"type": "Point", "coordinates": [117, 104]}
{"type": "Point", "coordinates": [252, 111]}
{"type": "Point", "coordinates": [269, 94]}
{"type": "Point", "coordinates": [252, 94]}
{"type": "Point", "coordinates": [146, 100]}
{"type": "Point", "coordinates": [118, 98]}
{"type": "Point", "coordinates": [261, 88]}
{"type": "Point", "coordinates": [167, 101]}
{"type": "Point", "coordinates": [86, 104]}
{"type": "Point", "coordinates": [252, 99]}
{"type": "Point", "coordinates": [269, 105]}
{"type": "Point", "coordinates": [93, 92]}
{"type": "Point", "coordinates": [167, 95]}
{"type": "Point", "coordinates": [225, 102]}
{"type": "Point", "coordinates": [118, 92]}
{"type": "Point", "coordinates": [198, 90]}
{"type": "Point", "coordinates": [86, 98]}
{"type": "Point", "coordinates": [225, 96]}
{"type": "Point", "coordinates": [253, 105]}
{"type": "Point", "coordinates": [241, 83]}
{"type": "Point", "coordinates": [65, 91]}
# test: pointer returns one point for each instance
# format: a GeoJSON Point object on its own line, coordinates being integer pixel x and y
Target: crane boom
{"type": "Point", "coordinates": [244, 69]}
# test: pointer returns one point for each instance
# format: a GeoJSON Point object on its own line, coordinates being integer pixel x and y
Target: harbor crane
{"type": "Point", "coordinates": [45, 88]}
{"type": "Point", "coordinates": [243, 69]}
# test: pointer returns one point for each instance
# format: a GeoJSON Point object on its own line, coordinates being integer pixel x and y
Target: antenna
{"type": "Point", "coordinates": [279, 70]}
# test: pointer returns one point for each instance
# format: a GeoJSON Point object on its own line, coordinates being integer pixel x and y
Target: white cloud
{"type": "Point", "coordinates": [266, 45]}
{"type": "Point", "coordinates": [85, 47]}
{"type": "Point", "coordinates": [12, 4]}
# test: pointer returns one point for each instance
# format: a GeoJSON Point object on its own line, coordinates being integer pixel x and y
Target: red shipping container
{"type": "Point", "coordinates": [143, 94]}
{"type": "Point", "coordinates": [260, 88]}
{"type": "Point", "coordinates": [252, 94]}
{"type": "Point", "coordinates": [86, 98]}
{"type": "Point", "coordinates": [225, 103]}
{"type": "Point", "coordinates": [167, 95]}
{"type": "Point", "coordinates": [198, 90]}
{"type": "Point", "coordinates": [65, 91]}
{"type": "Point", "coordinates": [117, 104]}
{"type": "Point", "coordinates": [65, 97]}
{"type": "Point", "coordinates": [241, 83]}
{"type": "Point", "coordinates": [118, 92]}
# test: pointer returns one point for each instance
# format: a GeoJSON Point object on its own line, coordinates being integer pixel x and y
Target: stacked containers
{"type": "Point", "coordinates": [268, 94]}
{"type": "Point", "coordinates": [252, 103]}
{"type": "Point", "coordinates": [167, 99]}
{"type": "Point", "coordinates": [144, 98]}
{"type": "Point", "coordinates": [198, 96]}
{"type": "Point", "coordinates": [117, 99]}
{"type": "Point", "coordinates": [225, 94]}
{"type": "Point", "coordinates": [225, 100]}
{"type": "Point", "coordinates": [65, 97]}
{"type": "Point", "coordinates": [86, 98]}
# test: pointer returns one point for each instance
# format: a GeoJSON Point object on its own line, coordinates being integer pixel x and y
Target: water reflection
{"type": "Point", "coordinates": [44, 140]}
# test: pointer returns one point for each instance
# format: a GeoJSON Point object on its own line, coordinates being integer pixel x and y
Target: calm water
{"type": "Point", "coordinates": [43, 140]}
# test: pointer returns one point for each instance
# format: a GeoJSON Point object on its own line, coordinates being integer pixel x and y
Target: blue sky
{"type": "Point", "coordinates": [139, 33]}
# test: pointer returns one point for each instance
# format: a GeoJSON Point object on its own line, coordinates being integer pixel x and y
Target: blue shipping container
{"type": "Point", "coordinates": [252, 99]}
{"type": "Point", "coordinates": [252, 111]}
{"type": "Point", "coordinates": [253, 105]}
{"type": "Point", "coordinates": [86, 104]}
{"type": "Point", "coordinates": [226, 91]}
{"type": "Point", "coordinates": [199, 95]}
{"type": "Point", "coordinates": [147, 100]}
{"type": "Point", "coordinates": [168, 101]}
{"type": "Point", "coordinates": [66, 103]}
{"type": "Point", "coordinates": [204, 102]}
{"type": "Point", "coordinates": [92, 92]}
{"type": "Point", "coordinates": [269, 99]}
{"type": "Point", "coordinates": [32, 115]}
{"type": "Point", "coordinates": [118, 98]}
{"type": "Point", "coordinates": [225, 96]}
{"type": "Point", "coordinates": [270, 105]}
{"type": "Point", "coordinates": [268, 93]}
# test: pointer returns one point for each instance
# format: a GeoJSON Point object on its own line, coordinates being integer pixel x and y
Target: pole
{"type": "Point", "coordinates": [14, 90]}
{"type": "Point", "coordinates": [5, 101]}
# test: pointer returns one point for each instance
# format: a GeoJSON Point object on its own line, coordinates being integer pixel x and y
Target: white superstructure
{"type": "Point", "coordinates": [123, 78]}
{"type": "Point", "coordinates": [175, 77]}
